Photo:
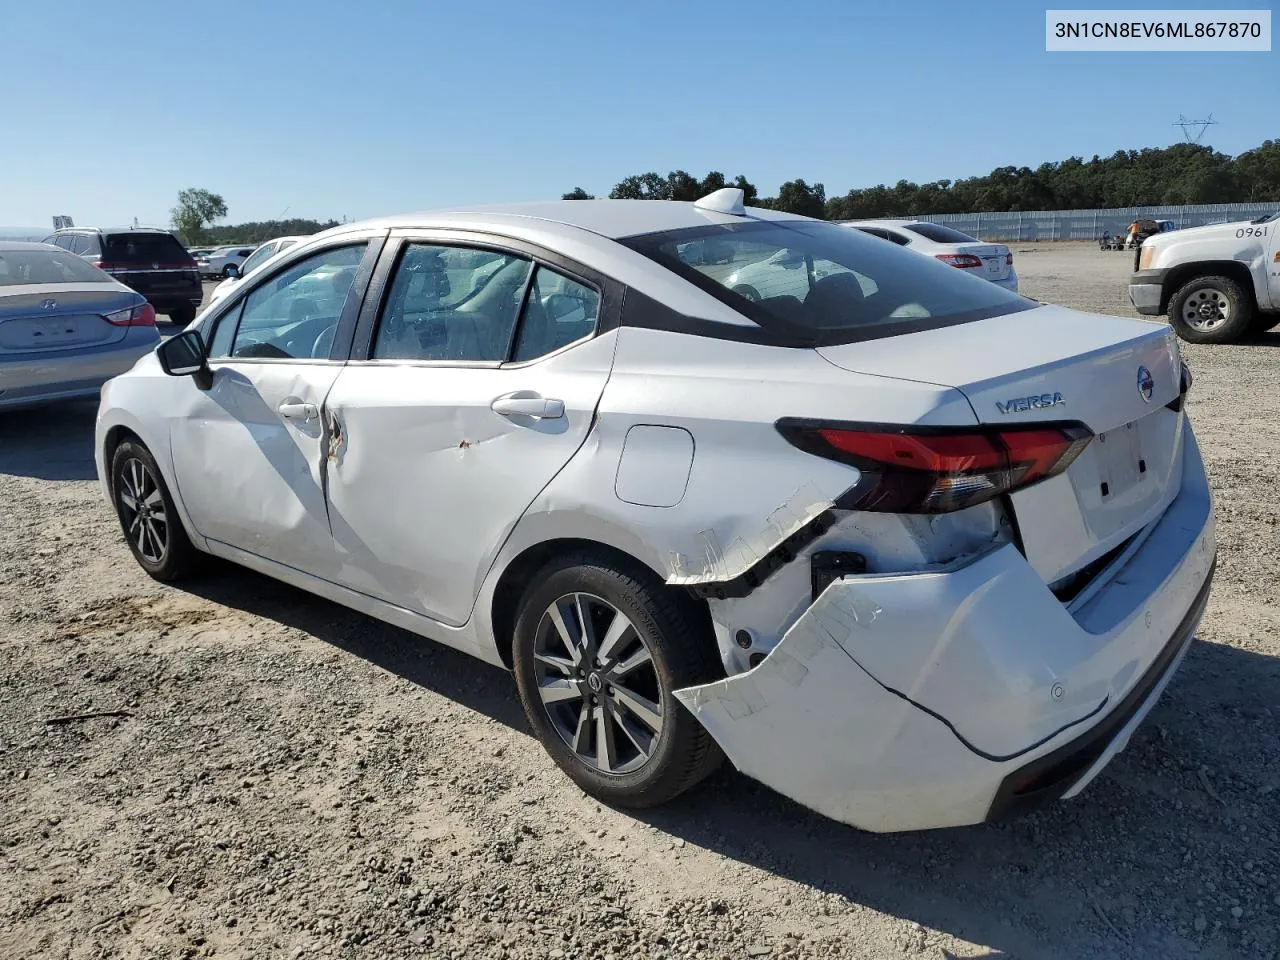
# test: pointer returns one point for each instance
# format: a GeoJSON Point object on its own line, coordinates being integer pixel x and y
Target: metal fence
{"type": "Point", "coordinates": [1091, 224]}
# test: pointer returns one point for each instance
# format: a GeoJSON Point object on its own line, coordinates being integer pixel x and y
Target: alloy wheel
{"type": "Point", "coordinates": [597, 681]}
{"type": "Point", "coordinates": [142, 508]}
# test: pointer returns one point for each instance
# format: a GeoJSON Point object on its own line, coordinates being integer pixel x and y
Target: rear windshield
{"type": "Point", "coordinates": [52, 266]}
{"type": "Point", "coordinates": [814, 283]}
{"type": "Point", "coordinates": [161, 248]}
{"type": "Point", "coordinates": [940, 234]}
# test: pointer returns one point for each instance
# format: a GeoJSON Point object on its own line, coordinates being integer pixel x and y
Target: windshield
{"type": "Point", "coordinates": [51, 266]}
{"type": "Point", "coordinates": [818, 283]}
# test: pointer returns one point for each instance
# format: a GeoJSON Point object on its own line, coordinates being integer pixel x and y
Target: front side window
{"type": "Point", "coordinates": [820, 283]}
{"type": "Point", "coordinates": [261, 255]}
{"type": "Point", "coordinates": [451, 303]}
{"type": "Point", "coordinates": [294, 314]}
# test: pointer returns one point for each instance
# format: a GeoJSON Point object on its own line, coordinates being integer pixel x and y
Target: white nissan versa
{"type": "Point", "coordinates": [905, 546]}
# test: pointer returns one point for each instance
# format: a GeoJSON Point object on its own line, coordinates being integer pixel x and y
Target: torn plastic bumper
{"type": "Point", "coordinates": [920, 700]}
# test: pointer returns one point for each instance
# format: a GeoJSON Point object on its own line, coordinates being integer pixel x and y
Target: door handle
{"type": "Point", "coordinates": [306, 412]}
{"type": "Point", "coordinates": [540, 408]}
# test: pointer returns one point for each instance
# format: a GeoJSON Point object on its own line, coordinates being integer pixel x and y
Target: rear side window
{"type": "Point", "coordinates": [940, 234]}
{"type": "Point", "coordinates": [814, 284]}
{"type": "Point", "coordinates": [46, 266]}
{"type": "Point", "coordinates": [145, 248]}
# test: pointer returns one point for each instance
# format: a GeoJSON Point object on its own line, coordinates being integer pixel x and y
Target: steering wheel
{"type": "Point", "coordinates": [324, 342]}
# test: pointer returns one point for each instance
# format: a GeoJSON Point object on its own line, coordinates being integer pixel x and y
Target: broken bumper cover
{"type": "Point", "coordinates": [948, 697]}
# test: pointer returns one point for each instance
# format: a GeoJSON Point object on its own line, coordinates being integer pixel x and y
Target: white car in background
{"type": "Point", "coordinates": [990, 261]}
{"type": "Point", "coordinates": [224, 261]}
{"type": "Point", "coordinates": [259, 256]}
{"type": "Point", "coordinates": [915, 551]}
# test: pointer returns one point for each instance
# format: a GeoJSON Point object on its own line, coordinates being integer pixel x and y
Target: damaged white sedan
{"type": "Point", "coordinates": [908, 548]}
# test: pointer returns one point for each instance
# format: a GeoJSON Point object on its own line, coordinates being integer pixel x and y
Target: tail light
{"type": "Point", "coordinates": [143, 316]}
{"type": "Point", "coordinates": [1008, 259]}
{"type": "Point", "coordinates": [961, 260]}
{"type": "Point", "coordinates": [939, 469]}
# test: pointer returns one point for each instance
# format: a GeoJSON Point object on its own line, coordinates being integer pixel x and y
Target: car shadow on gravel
{"type": "Point", "coordinates": [1122, 870]}
{"type": "Point", "coordinates": [462, 678]}
{"type": "Point", "coordinates": [53, 442]}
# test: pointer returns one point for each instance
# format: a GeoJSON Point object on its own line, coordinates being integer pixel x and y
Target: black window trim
{"type": "Point", "coordinates": [784, 333]}
{"type": "Point", "coordinates": [610, 290]}
{"type": "Point", "coordinates": [340, 350]}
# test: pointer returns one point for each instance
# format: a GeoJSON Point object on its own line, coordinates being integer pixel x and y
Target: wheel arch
{"type": "Point", "coordinates": [519, 572]}
{"type": "Point", "coordinates": [1186, 272]}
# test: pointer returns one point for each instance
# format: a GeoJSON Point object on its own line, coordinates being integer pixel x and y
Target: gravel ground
{"type": "Point", "coordinates": [291, 779]}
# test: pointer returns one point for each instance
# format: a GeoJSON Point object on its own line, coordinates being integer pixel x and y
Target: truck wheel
{"type": "Point", "coordinates": [1211, 310]}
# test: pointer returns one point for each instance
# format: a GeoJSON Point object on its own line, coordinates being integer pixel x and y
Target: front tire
{"type": "Point", "coordinates": [1211, 310]}
{"type": "Point", "coordinates": [147, 515]}
{"type": "Point", "coordinates": [182, 316]}
{"type": "Point", "coordinates": [748, 292]}
{"type": "Point", "coordinates": [599, 648]}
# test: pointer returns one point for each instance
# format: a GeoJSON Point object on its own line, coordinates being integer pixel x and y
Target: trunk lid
{"type": "Point", "coordinates": [994, 257]}
{"type": "Point", "coordinates": [73, 322]}
{"type": "Point", "coordinates": [1056, 364]}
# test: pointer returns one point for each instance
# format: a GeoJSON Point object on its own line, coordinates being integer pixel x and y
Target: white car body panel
{"type": "Point", "coordinates": [408, 496]}
{"type": "Point", "coordinates": [946, 709]}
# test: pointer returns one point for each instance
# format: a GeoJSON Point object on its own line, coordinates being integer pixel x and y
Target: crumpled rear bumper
{"type": "Point", "coordinates": [947, 697]}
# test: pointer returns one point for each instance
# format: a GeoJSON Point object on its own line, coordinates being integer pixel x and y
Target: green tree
{"type": "Point", "coordinates": [577, 193]}
{"type": "Point", "coordinates": [196, 208]}
{"type": "Point", "coordinates": [796, 196]}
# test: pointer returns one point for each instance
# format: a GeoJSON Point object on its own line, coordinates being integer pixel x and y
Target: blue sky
{"type": "Point", "coordinates": [334, 108]}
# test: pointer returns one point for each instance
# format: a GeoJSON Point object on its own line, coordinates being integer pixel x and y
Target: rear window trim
{"type": "Point", "coordinates": [783, 333]}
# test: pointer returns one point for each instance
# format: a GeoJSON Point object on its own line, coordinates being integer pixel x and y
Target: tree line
{"type": "Point", "coordinates": [1185, 173]}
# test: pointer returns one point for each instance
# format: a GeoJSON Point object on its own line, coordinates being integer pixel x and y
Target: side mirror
{"type": "Point", "coordinates": [233, 272]}
{"type": "Point", "coordinates": [184, 356]}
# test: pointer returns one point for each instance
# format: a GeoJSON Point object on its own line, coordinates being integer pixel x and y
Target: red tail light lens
{"type": "Point", "coordinates": [143, 316]}
{"type": "Point", "coordinates": [962, 260]}
{"type": "Point", "coordinates": [939, 469]}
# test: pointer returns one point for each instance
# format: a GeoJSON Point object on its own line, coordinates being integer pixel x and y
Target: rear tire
{"type": "Point", "coordinates": [150, 523]}
{"type": "Point", "coordinates": [182, 316]}
{"type": "Point", "coordinates": [601, 700]}
{"type": "Point", "coordinates": [1211, 310]}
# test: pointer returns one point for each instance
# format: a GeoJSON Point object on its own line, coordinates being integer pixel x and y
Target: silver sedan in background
{"type": "Point", "coordinates": [66, 327]}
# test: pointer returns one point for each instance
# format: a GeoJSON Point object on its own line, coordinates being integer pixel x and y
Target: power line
{"type": "Point", "coordinates": [1189, 125]}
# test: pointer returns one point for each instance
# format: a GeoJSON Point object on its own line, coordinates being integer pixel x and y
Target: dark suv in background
{"type": "Point", "coordinates": [151, 261]}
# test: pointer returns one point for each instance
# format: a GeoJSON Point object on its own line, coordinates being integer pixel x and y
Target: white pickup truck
{"type": "Point", "coordinates": [1217, 284]}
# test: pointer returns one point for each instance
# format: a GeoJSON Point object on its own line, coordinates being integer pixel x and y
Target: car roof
{"type": "Point", "coordinates": [114, 230]}
{"type": "Point", "coordinates": [608, 218]}
{"type": "Point", "coordinates": [24, 245]}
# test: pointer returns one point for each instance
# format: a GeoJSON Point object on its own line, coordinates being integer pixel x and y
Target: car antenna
{"type": "Point", "coordinates": [725, 200]}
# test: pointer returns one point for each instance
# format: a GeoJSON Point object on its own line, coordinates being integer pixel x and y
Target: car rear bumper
{"type": "Point", "coordinates": [46, 377]}
{"type": "Point", "coordinates": [952, 696]}
{"type": "Point", "coordinates": [1010, 282]}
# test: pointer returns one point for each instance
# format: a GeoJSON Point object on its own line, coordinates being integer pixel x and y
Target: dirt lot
{"type": "Point", "coordinates": [293, 779]}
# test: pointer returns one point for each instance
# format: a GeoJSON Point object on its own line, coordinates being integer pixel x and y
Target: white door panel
{"type": "Point", "coordinates": [247, 461]}
{"type": "Point", "coordinates": [427, 478]}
